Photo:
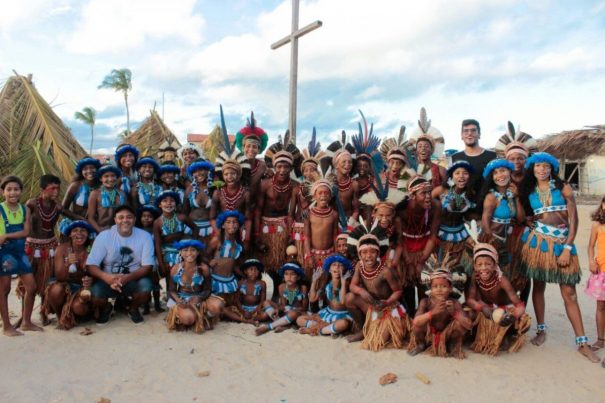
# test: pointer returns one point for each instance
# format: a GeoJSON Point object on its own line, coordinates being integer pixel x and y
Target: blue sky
{"type": "Point", "coordinates": [540, 64]}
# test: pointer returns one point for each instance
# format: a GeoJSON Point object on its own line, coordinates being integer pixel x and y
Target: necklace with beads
{"type": "Point", "coordinates": [393, 183]}
{"type": "Point", "coordinates": [544, 196]}
{"type": "Point", "coordinates": [370, 274]}
{"type": "Point", "coordinates": [255, 165]}
{"type": "Point", "coordinates": [363, 188]}
{"type": "Point", "coordinates": [344, 186]}
{"type": "Point", "coordinates": [147, 192]}
{"type": "Point", "coordinates": [281, 188]}
{"type": "Point", "coordinates": [489, 284]}
{"type": "Point", "coordinates": [46, 215]}
{"type": "Point", "coordinates": [170, 224]}
{"type": "Point", "coordinates": [231, 199]}
{"type": "Point", "coordinates": [321, 213]}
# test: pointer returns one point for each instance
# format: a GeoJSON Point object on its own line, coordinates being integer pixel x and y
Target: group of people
{"type": "Point", "coordinates": [370, 238]}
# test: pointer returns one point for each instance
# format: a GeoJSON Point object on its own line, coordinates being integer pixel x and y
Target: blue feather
{"type": "Point", "coordinates": [226, 144]}
{"type": "Point", "coordinates": [313, 144]}
{"type": "Point", "coordinates": [342, 216]}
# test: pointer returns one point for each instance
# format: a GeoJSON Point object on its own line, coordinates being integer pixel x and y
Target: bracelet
{"type": "Point", "coordinates": [568, 247]}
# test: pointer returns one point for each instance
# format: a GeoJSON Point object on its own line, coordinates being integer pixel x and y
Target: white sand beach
{"type": "Point", "coordinates": [124, 362]}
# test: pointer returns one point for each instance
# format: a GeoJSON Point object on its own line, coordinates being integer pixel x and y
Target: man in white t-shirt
{"type": "Point", "coordinates": [120, 261]}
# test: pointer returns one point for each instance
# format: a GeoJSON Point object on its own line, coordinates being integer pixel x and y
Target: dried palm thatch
{"type": "Point", "coordinates": [151, 135]}
{"type": "Point", "coordinates": [33, 139]}
{"type": "Point", "coordinates": [575, 145]}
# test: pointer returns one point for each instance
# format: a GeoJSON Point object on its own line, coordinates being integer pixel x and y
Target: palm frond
{"type": "Point", "coordinates": [152, 133]}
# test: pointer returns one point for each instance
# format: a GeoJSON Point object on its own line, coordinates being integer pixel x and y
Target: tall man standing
{"type": "Point", "coordinates": [477, 156]}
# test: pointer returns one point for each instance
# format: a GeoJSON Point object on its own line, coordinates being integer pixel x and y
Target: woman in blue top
{"type": "Point", "coordinates": [14, 227]}
{"type": "Point", "coordinates": [501, 206]}
{"type": "Point", "coordinates": [549, 254]}
{"type": "Point", "coordinates": [78, 191]}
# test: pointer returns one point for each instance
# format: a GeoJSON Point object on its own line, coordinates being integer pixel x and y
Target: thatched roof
{"type": "Point", "coordinates": [575, 144]}
{"type": "Point", "coordinates": [33, 139]}
{"type": "Point", "coordinates": [152, 133]}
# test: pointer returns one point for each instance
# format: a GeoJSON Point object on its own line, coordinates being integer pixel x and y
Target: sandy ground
{"type": "Point", "coordinates": [126, 363]}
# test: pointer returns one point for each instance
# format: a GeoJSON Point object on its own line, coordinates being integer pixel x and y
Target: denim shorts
{"type": "Point", "coordinates": [14, 263]}
{"type": "Point", "coordinates": [101, 289]}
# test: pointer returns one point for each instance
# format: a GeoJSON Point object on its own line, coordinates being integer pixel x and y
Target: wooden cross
{"type": "Point", "coordinates": [293, 39]}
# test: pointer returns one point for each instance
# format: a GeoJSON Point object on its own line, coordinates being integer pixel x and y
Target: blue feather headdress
{"type": "Point", "coordinates": [543, 157]}
{"type": "Point", "coordinates": [336, 258]}
{"type": "Point", "coordinates": [87, 161]}
{"type": "Point", "coordinates": [123, 149]}
{"type": "Point", "coordinates": [188, 243]}
{"type": "Point", "coordinates": [148, 161]}
{"type": "Point", "coordinates": [220, 220]}
{"type": "Point", "coordinates": [497, 163]}
{"type": "Point", "coordinates": [165, 194]}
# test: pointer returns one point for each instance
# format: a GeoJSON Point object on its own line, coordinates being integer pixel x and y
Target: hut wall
{"type": "Point", "coordinates": [595, 174]}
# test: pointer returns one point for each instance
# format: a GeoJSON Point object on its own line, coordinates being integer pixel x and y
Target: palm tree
{"type": "Point", "coordinates": [120, 80]}
{"type": "Point", "coordinates": [88, 116]}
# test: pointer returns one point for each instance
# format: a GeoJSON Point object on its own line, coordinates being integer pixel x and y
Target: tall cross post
{"type": "Point", "coordinates": [292, 38]}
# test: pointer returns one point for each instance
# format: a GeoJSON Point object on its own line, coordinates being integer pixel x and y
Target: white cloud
{"type": "Point", "coordinates": [110, 26]}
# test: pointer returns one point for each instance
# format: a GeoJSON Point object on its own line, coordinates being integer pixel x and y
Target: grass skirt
{"type": "Point", "coordinates": [201, 321]}
{"type": "Point", "coordinates": [274, 235]}
{"type": "Point", "coordinates": [437, 340]}
{"type": "Point", "coordinates": [298, 234]}
{"type": "Point", "coordinates": [66, 318]}
{"type": "Point", "coordinates": [41, 253]}
{"type": "Point", "coordinates": [489, 335]}
{"type": "Point", "coordinates": [391, 320]}
{"type": "Point", "coordinates": [513, 271]}
{"type": "Point", "coordinates": [539, 255]}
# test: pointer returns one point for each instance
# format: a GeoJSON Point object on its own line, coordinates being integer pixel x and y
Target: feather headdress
{"type": "Point", "coordinates": [284, 150]}
{"type": "Point", "coordinates": [429, 133]}
{"type": "Point", "coordinates": [336, 149]}
{"type": "Point", "coordinates": [440, 265]}
{"type": "Point", "coordinates": [313, 153]}
{"type": "Point", "coordinates": [515, 141]}
{"type": "Point", "coordinates": [251, 132]}
{"type": "Point", "coordinates": [229, 155]}
{"type": "Point", "coordinates": [381, 195]}
{"type": "Point", "coordinates": [363, 236]}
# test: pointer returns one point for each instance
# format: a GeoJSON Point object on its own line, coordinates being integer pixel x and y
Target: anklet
{"type": "Point", "coordinates": [581, 340]}
{"type": "Point", "coordinates": [542, 327]}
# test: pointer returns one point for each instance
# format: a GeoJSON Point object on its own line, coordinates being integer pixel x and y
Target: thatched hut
{"type": "Point", "coordinates": [33, 139]}
{"type": "Point", "coordinates": [581, 154]}
{"type": "Point", "coordinates": [151, 135]}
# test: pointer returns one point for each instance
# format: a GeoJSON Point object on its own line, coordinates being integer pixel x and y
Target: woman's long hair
{"type": "Point", "coordinates": [528, 186]}
{"type": "Point", "coordinates": [599, 214]}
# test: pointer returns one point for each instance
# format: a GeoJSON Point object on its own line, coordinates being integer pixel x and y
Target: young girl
{"type": "Point", "coordinates": [334, 319]}
{"type": "Point", "coordinates": [252, 292]}
{"type": "Point", "coordinates": [189, 288]}
{"type": "Point", "coordinates": [14, 227]}
{"type": "Point", "coordinates": [146, 190]}
{"type": "Point", "coordinates": [188, 154]}
{"type": "Point", "coordinates": [168, 175]}
{"type": "Point", "coordinates": [146, 215]}
{"type": "Point", "coordinates": [198, 198]}
{"type": "Point", "coordinates": [103, 201]}
{"type": "Point", "coordinates": [78, 191]}
{"type": "Point", "coordinates": [501, 205]}
{"type": "Point", "coordinates": [595, 288]}
{"type": "Point", "coordinates": [126, 157]}
{"type": "Point", "coordinates": [69, 296]}
{"type": "Point", "coordinates": [293, 300]}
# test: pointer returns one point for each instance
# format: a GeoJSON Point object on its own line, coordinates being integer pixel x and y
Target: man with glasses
{"type": "Point", "coordinates": [120, 261]}
{"type": "Point", "coordinates": [477, 156]}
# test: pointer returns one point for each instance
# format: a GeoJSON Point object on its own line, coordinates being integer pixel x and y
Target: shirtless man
{"type": "Point", "coordinates": [103, 201]}
{"type": "Point", "coordinates": [440, 320]}
{"type": "Point", "coordinates": [321, 228]}
{"type": "Point", "coordinates": [420, 228]}
{"type": "Point", "coordinates": [347, 189]}
{"type": "Point", "coordinates": [275, 214]}
{"type": "Point", "coordinates": [375, 289]}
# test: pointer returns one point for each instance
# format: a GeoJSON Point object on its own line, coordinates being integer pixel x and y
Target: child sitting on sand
{"type": "Point", "coordinates": [334, 318]}
{"type": "Point", "coordinates": [501, 318]}
{"type": "Point", "coordinates": [293, 300]}
{"type": "Point", "coordinates": [252, 292]}
{"type": "Point", "coordinates": [439, 320]}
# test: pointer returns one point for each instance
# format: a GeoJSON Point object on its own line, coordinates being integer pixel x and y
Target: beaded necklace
{"type": "Point", "coordinates": [545, 196]}
{"type": "Point", "coordinates": [489, 284]}
{"type": "Point", "coordinates": [344, 186]}
{"type": "Point", "coordinates": [229, 199]}
{"type": "Point", "coordinates": [321, 213]}
{"type": "Point", "coordinates": [47, 216]}
{"type": "Point", "coordinates": [170, 224]}
{"type": "Point", "coordinates": [363, 188]}
{"type": "Point", "coordinates": [255, 166]}
{"type": "Point", "coordinates": [291, 295]}
{"type": "Point", "coordinates": [371, 274]}
{"type": "Point", "coordinates": [147, 192]}
{"type": "Point", "coordinates": [110, 195]}
{"type": "Point", "coordinates": [280, 188]}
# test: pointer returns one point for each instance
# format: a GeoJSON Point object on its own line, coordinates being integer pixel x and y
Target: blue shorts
{"type": "Point", "coordinates": [101, 289]}
{"type": "Point", "coordinates": [14, 262]}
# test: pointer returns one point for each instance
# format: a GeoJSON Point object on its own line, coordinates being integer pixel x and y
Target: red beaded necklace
{"type": "Point", "coordinates": [321, 213]}
{"type": "Point", "coordinates": [281, 188]}
{"type": "Point", "coordinates": [489, 284]}
{"type": "Point", "coordinates": [344, 186]}
{"type": "Point", "coordinates": [231, 199]}
{"type": "Point", "coordinates": [371, 274]}
{"type": "Point", "coordinates": [46, 215]}
{"type": "Point", "coordinates": [363, 188]}
{"type": "Point", "coordinates": [255, 165]}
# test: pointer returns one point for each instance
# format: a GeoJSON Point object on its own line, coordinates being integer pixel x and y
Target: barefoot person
{"type": "Point", "coordinates": [189, 288]}
{"type": "Point", "coordinates": [120, 263]}
{"type": "Point", "coordinates": [440, 321]}
{"type": "Point", "coordinates": [275, 211]}
{"type": "Point", "coordinates": [334, 318]}
{"type": "Point", "coordinates": [69, 296]}
{"type": "Point", "coordinates": [103, 202]}
{"type": "Point", "coordinates": [293, 300]}
{"type": "Point", "coordinates": [501, 319]}
{"type": "Point", "coordinates": [252, 292]}
{"type": "Point", "coordinates": [374, 294]}
{"type": "Point", "coordinates": [14, 227]}
{"type": "Point", "coordinates": [549, 254]}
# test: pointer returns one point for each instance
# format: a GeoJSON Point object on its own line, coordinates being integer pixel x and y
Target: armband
{"type": "Point", "coordinates": [568, 247]}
